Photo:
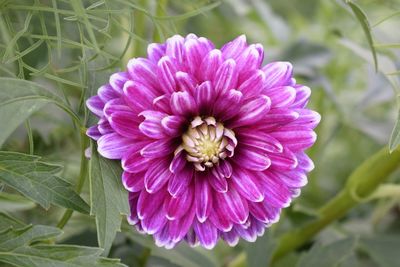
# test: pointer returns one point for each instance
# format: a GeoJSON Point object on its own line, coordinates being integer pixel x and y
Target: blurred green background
{"type": "Point", "coordinates": [71, 47]}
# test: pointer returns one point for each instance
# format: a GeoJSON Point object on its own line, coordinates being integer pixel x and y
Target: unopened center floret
{"type": "Point", "coordinates": [207, 141]}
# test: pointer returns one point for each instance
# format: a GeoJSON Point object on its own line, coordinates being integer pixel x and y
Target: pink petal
{"type": "Point", "coordinates": [252, 159]}
{"type": "Point", "coordinates": [252, 111]}
{"type": "Point", "coordinates": [173, 125]}
{"type": "Point", "coordinates": [219, 218]}
{"type": "Point", "coordinates": [302, 96]}
{"type": "Point", "coordinates": [155, 52]}
{"type": "Point", "coordinates": [307, 118]}
{"type": "Point", "coordinates": [177, 207]}
{"type": "Point", "coordinates": [144, 71]}
{"type": "Point", "coordinates": [154, 222]}
{"type": "Point", "coordinates": [117, 81]}
{"type": "Point", "coordinates": [133, 182]}
{"type": "Point", "coordinates": [253, 85]}
{"type": "Point", "coordinates": [282, 96]}
{"type": "Point", "coordinates": [260, 140]}
{"type": "Point", "coordinates": [145, 210]}
{"type": "Point", "coordinates": [113, 145]}
{"type": "Point", "coordinates": [106, 93]}
{"type": "Point", "coordinates": [180, 181]}
{"type": "Point", "coordinates": [227, 105]}
{"type": "Point", "coordinates": [151, 126]}
{"type": "Point", "coordinates": [157, 175]}
{"type": "Point", "coordinates": [138, 96]}
{"type": "Point", "coordinates": [95, 105]}
{"type": "Point", "coordinates": [217, 181]}
{"type": "Point", "coordinates": [158, 149]}
{"type": "Point", "coordinates": [286, 160]}
{"type": "Point", "coordinates": [195, 50]}
{"type": "Point", "coordinates": [277, 74]}
{"type": "Point", "coordinates": [206, 233]}
{"type": "Point", "coordinates": [276, 192]}
{"type": "Point", "coordinates": [178, 162]}
{"type": "Point", "coordinates": [134, 162]}
{"type": "Point", "coordinates": [249, 59]}
{"type": "Point", "coordinates": [234, 48]}
{"type": "Point", "coordinates": [205, 97]}
{"type": "Point", "coordinates": [186, 82]}
{"type": "Point", "coordinates": [203, 197]}
{"type": "Point", "coordinates": [231, 237]}
{"type": "Point", "coordinates": [161, 103]}
{"type": "Point", "coordinates": [226, 77]}
{"type": "Point", "coordinates": [93, 132]}
{"type": "Point", "coordinates": [295, 138]}
{"type": "Point", "coordinates": [125, 123]}
{"type": "Point", "coordinates": [175, 48]}
{"type": "Point", "coordinates": [182, 103]}
{"type": "Point", "coordinates": [210, 64]}
{"type": "Point", "coordinates": [166, 74]}
{"type": "Point", "coordinates": [247, 185]}
{"type": "Point", "coordinates": [180, 227]}
{"type": "Point", "coordinates": [233, 206]}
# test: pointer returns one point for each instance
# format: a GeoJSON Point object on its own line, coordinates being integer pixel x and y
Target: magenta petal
{"type": "Point", "coordinates": [132, 217]}
{"type": "Point", "coordinates": [138, 96]}
{"type": "Point", "coordinates": [134, 162]}
{"type": "Point", "coordinates": [205, 96]}
{"type": "Point", "coordinates": [294, 179]}
{"type": "Point", "coordinates": [161, 103]}
{"type": "Point", "coordinates": [247, 186]}
{"type": "Point", "coordinates": [224, 168]}
{"type": "Point", "coordinates": [227, 105]}
{"type": "Point", "coordinates": [226, 77]}
{"type": "Point", "coordinates": [277, 74]}
{"type": "Point", "coordinates": [157, 175]}
{"type": "Point", "coordinates": [234, 48]}
{"type": "Point", "coordinates": [186, 82]}
{"type": "Point", "coordinates": [166, 74]}
{"type": "Point", "coordinates": [253, 85]}
{"type": "Point", "coordinates": [260, 140]}
{"type": "Point", "coordinates": [155, 222]}
{"type": "Point", "coordinates": [252, 159]}
{"type": "Point", "coordinates": [307, 118]}
{"type": "Point", "coordinates": [177, 207]}
{"type": "Point", "coordinates": [125, 123]}
{"type": "Point", "coordinates": [233, 206]}
{"type": "Point", "coordinates": [231, 237]}
{"type": "Point", "coordinates": [93, 132]}
{"type": "Point", "coordinates": [158, 149]}
{"type": "Point", "coordinates": [203, 200]}
{"type": "Point", "coordinates": [95, 105]}
{"type": "Point", "coordinates": [281, 96]}
{"type": "Point", "coordinates": [173, 125]}
{"type": "Point", "coordinates": [144, 71]}
{"type": "Point", "coordinates": [195, 50]}
{"type": "Point", "coordinates": [162, 238]}
{"type": "Point", "coordinates": [295, 138]}
{"type": "Point", "coordinates": [178, 162]}
{"type": "Point", "coordinates": [276, 192]}
{"type": "Point", "coordinates": [180, 181]}
{"type": "Point", "coordinates": [106, 93]}
{"type": "Point", "coordinates": [305, 163]}
{"type": "Point", "coordinates": [174, 47]}
{"type": "Point", "coordinates": [286, 160]}
{"type": "Point", "coordinates": [279, 116]}
{"type": "Point", "coordinates": [115, 105]}
{"type": "Point", "coordinates": [206, 233]}
{"type": "Point", "coordinates": [182, 103]}
{"type": "Point", "coordinates": [157, 200]}
{"type": "Point", "coordinates": [133, 182]}
{"type": "Point", "coordinates": [210, 64]}
{"type": "Point", "coordinates": [252, 111]}
{"type": "Point", "coordinates": [249, 59]}
{"type": "Point", "coordinates": [302, 96]}
{"type": "Point", "coordinates": [117, 81]}
{"type": "Point", "coordinates": [113, 145]}
{"type": "Point", "coordinates": [155, 51]}
{"type": "Point", "coordinates": [151, 126]}
{"type": "Point", "coordinates": [217, 181]}
{"type": "Point", "coordinates": [180, 227]}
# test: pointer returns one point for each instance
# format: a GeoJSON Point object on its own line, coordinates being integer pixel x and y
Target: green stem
{"type": "Point", "coordinates": [361, 183]}
{"type": "Point", "coordinates": [81, 179]}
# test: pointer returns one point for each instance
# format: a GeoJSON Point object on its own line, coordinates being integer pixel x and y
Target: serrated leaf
{"type": "Point", "coordinates": [13, 202]}
{"type": "Point", "coordinates": [19, 99]}
{"type": "Point", "coordinates": [384, 250]}
{"type": "Point", "coordinates": [362, 18]}
{"type": "Point", "coordinates": [330, 255]}
{"type": "Point", "coordinates": [12, 239]}
{"type": "Point", "coordinates": [109, 199]}
{"type": "Point", "coordinates": [38, 181]}
{"type": "Point", "coordinates": [395, 136]}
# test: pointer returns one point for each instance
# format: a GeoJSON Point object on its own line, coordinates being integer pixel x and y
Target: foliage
{"type": "Point", "coordinates": [54, 54]}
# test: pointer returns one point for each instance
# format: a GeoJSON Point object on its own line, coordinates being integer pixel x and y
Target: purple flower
{"type": "Point", "coordinates": [211, 142]}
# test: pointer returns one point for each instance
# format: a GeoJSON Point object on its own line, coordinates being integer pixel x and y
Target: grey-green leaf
{"type": "Point", "coordinates": [13, 202]}
{"type": "Point", "coordinates": [19, 99]}
{"type": "Point", "coordinates": [6, 222]}
{"type": "Point", "coordinates": [259, 253]}
{"type": "Point", "coordinates": [109, 199]}
{"type": "Point", "coordinates": [331, 255]}
{"type": "Point", "coordinates": [384, 250]}
{"type": "Point", "coordinates": [38, 181]}
{"type": "Point", "coordinates": [362, 18]}
{"type": "Point", "coordinates": [395, 136]}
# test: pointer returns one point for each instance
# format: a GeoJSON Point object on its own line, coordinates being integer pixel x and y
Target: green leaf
{"type": "Point", "coordinates": [259, 253]}
{"type": "Point", "coordinates": [13, 202]}
{"type": "Point", "coordinates": [109, 199]}
{"type": "Point", "coordinates": [13, 239]}
{"type": "Point", "coordinates": [37, 180]}
{"type": "Point", "coordinates": [328, 256]}
{"type": "Point", "coordinates": [19, 99]}
{"type": "Point", "coordinates": [395, 136]}
{"type": "Point", "coordinates": [384, 250]}
{"type": "Point", "coordinates": [6, 221]}
{"type": "Point", "coordinates": [362, 18]}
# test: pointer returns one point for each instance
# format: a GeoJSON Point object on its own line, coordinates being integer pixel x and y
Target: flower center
{"type": "Point", "coordinates": [206, 142]}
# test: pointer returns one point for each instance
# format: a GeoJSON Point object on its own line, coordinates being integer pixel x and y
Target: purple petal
{"type": "Point", "coordinates": [95, 105]}
{"type": "Point", "coordinates": [226, 77]}
{"type": "Point", "coordinates": [307, 118]}
{"type": "Point", "coordinates": [125, 123]}
{"type": "Point", "coordinates": [219, 218]}
{"type": "Point", "coordinates": [175, 48]}
{"type": "Point", "coordinates": [234, 48]}
{"type": "Point", "coordinates": [226, 106]}
{"type": "Point", "coordinates": [295, 138]}
{"type": "Point", "coordinates": [178, 162]}
{"type": "Point", "coordinates": [134, 162]}
{"type": "Point", "coordinates": [158, 149]}
{"type": "Point", "coordinates": [133, 199]}
{"type": "Point", "coordinates": [247, 185]}
{"type": "Point", "coordinates": [233, 206]}
{"type": "Point", "coordinates": [231, 237]}
{"type": "Point", "coordinates": [302, 96]}
{"type": "Point", "coordinates": [277, 117]}
{"type": "Point", "coordinates": [305, 163]}
{"type": "Point", "coordinates": [195, 50]}
{"type": "Point", "coordinates": [206, 233]}
{"type": "Point", "coordinates": [249, 59]}
{"type": "Point", "coordinates": [180, 181]}
{"type": "Point", "coordinates": [157, 175]}
{"type": "Point", "coordinates": [277, 74]}
{"type": "Point", "coordinates": [145, 210]}
{"type": "Point", "coordinates": [166, 74]}
{"type": "Point", "coordinates": [253, 85]}
{"type": "Point", "coordinates": [155, 52]}
{"type": "Point", "coordinates": [217, 181]}
{"type": "Point", "coordinates": [155, 222]}
{"type": "Point", "coordinates": [203, 200]}
{"type": "Point", "coordinates": [180, 227]}
{"type": "Point", "coordinates": [182, 103]}
{"type": "Point", "coordinates": [260, 140]}
{"type": "Point", "coordinates": [113, 145]}
{"type": "Point", "coordinates": [173, 125]}
{"type": "Point", "coordinates": [205, 97]}
{"type": "Point", "coordinates": [138, 96]}
{"type": "Point", "coordinates": [186, 82]}
{"type": "Point", "coordinates": [117, 81]}
{"type": "Point", "coordinates": [286, 160]}
{"type": "Point", "coordinates": [144, 71]}
{"type": "Point", "coordinates": [224, 168]}
{"type": "Point", "coordinates": [133, 182]}
{"type": "Point", "coordinates": [106, 93]}
{"type": "Point", "coordinates": [252, 159]}
{"type": "Point", "coordinates": [293, 179]}
{"type": "Point", "coordinates": [281, 96]}
{"type": "Point", "coordinates": [151, 126]}
{"type": "Point", "coordinates": [210, 64]}
{"type": "Point", "coordinates": [93, 132]}
{"type": "Point", "coordinates": [252, 111]}
{"type": "Point", "coordinates": [161, 103]}
{"type": "Point", "coordinates": [177, 207]}
{"type": "Point", "coordinates": [276, 193]}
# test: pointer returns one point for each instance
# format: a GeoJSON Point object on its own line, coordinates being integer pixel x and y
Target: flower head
{"type": "Point", "coordinates": [211, 142]}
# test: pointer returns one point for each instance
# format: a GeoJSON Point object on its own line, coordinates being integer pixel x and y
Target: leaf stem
{"type": "Point", "coordinates": [81, 179]}
{"type": "Point", "coordinates": [361, 183]}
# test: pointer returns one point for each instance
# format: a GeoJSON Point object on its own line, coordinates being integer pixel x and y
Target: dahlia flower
{"type": "Point", "coordinates": [210, 141]}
